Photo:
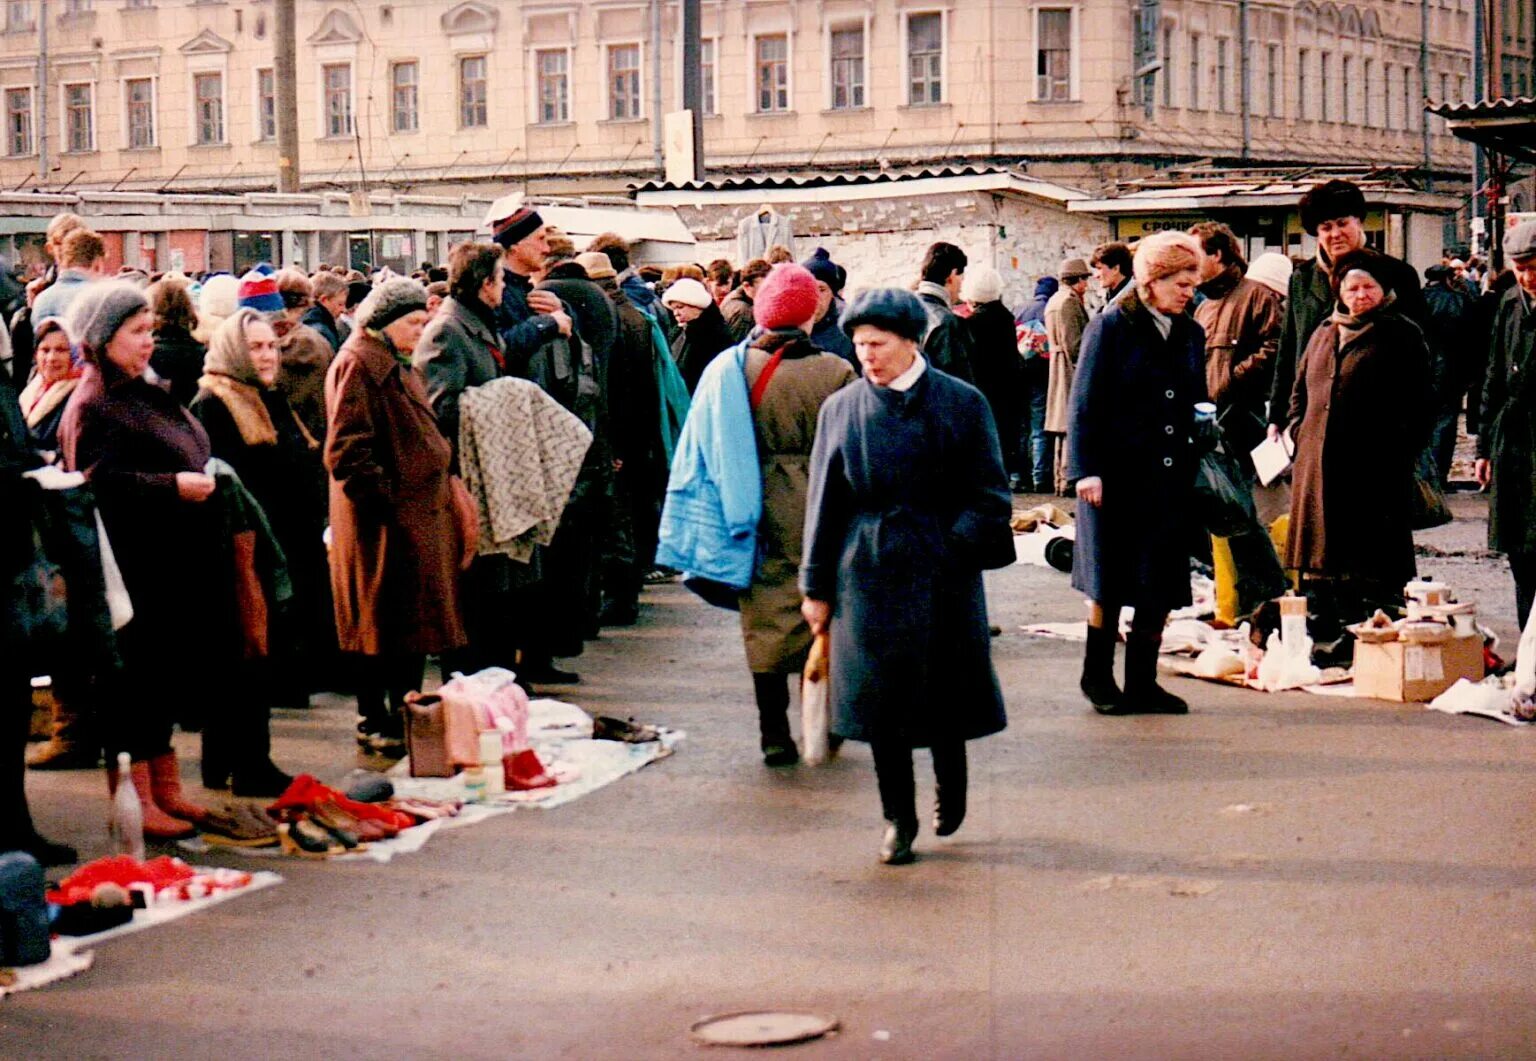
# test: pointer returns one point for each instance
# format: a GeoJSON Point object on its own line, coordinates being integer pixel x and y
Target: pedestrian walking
{"type": "Point", "coordinates": [1359, 416]}
{"type": "Point", "coordinates": [946, 346]}
{"type": "Point", "coordinates": [1506, 448]}
{"type": "Point", "coordinates": [1066, 318]}
{"type": "Point", "coordinates": [908, 503]}
{"type": "Point", "coordinates": [788, 380]}
{"type": "Point", "coordinates": [1130, 457]}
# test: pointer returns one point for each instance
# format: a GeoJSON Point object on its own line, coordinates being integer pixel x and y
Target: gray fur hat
{"type": "Point", "coordinates": [100, 309]}
{"type": "Point", "coordinates": [889, 308]}
{"type": "Point", "coordinates": [390, 301]}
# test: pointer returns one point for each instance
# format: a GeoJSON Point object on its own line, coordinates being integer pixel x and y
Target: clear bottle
{"type": "Point", "coordinates": [127, 815]}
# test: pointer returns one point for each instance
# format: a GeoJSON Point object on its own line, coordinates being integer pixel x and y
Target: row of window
{"type": "Point", "coordinates": [1329, 87]}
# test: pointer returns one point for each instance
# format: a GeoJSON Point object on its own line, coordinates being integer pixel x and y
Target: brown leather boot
{"type": "Point", "coordinates": [71, 747]}
{"type": "Point", "coordinates": [158, 825]}
{"type": "Point", "coordinates": [165, 789]}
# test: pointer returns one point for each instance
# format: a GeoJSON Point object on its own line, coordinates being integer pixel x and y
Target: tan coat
{"type": "Point", "coordinates": [395, 541]}
{"type": "Point", "coordinates": [306, 359]}
{"type": "Point", "coordinates": [776, 636]}
{"type": "Point", "coordinates": [1065, 319]}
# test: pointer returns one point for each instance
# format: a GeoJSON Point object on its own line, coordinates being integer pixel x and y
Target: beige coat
{"type": "Point", "coordinates": [776, 636]}
{"type": "Point", "coordinates": [1065, 319]}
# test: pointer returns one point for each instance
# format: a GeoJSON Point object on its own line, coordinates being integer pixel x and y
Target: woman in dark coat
{"type": "Point", "coordinates": [702, 332]}
{"type": "Point", "coordinates": [788, 399]}
{"type": "Point", "coordinates": [1360, 413]}
{"type": "Point", "coordinates": [251, 426]}
{"type": "Point", "coordinates": [995, 359]}
{"type": "Point", "coordinates": [46, 394]}
{"type": "Point", "coordinates": [399, 527]}
{"type": "Point", "coordinates": [178, 357]}
{"type": "Point", "coordinates": [908, 503]}
{"type": "Point", "coordinates": [144, 455]}
{"type": "Point", "coordinates": [1140, 373]}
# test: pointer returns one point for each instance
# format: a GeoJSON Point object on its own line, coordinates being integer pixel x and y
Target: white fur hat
{"type": "Point", "coordinates": [687, 291]}
{"type": "Point", "coordinates": [1273, 270]}
{"type": "Point", "coordinates": [981, 283]}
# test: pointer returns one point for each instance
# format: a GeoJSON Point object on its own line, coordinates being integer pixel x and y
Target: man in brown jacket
{"type": "Point", "coordinates": [737, 306]}
{"type": "Point", "coordinates": [1065, 319]}
{"type": "Point", "coordinates": [1242, 319]}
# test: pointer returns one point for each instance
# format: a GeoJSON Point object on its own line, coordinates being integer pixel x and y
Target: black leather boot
{"type": "Point", "coordinates": [1098, 682]}
{"type": "Point", "coordinates": [1143, 696]}
{"type": "Point", "coordinates": [896, 844]}
{"type": "Point", "coordinates": [950, 782]}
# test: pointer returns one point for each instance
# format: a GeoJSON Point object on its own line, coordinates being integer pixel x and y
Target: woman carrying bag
{"type": "Point", "coordinates": [908, 503]}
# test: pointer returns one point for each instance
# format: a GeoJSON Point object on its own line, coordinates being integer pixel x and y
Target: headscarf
{"type": "Point", "coordinates": [38, 399]}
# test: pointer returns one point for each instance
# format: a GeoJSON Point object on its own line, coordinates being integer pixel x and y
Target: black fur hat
{"type": "Point", "coordinates": [1329, 201]}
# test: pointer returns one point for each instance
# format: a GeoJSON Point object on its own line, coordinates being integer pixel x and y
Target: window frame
{"type": "Point", "coordinates": [154, 113]}
{"type": "Point", "coordinates": [258, 96]}
{"type": "Point", "coordinates": [709, 87]}
{"type": "Point", "coordinates": [1324, 86]}
{"type": "Point", "coordinates": [910, 82]}
{"type": "Point", "coordinates": [610, 49]}
{"type": "Point", "coordinates": [31, 113]}
{"type": "Point", "coordinates": [223, 116]}
{"type": "Point", "coordinates": [463, 103]}
{"type": "Point", "coordinates": [1074, 52]}
{"type": "Point", "coordinates": [29, 25]}
{"type": "Point", "coordinates": [395, 88]}
{"type": "Point", "coordinates": [325, 100]}
{"type": "Point", "coordinates": [1165, 54]}
{"type": "Point", "coordinates": [64, 117]}
{"type": "Point", "coordinates": [565, 52]}
{"type": "Point", "coordinates": [1192, 93]}
{"type": "Point", "coordinates": [1302, 73]}
{"type": "Point", "coordinates": [861, 86]}
{"type": "Point", "coordinates": [1274, 87]}
{"type": "Point", "coordinates": [787, 88]}
{"type": "Point", "coordinates": [1221, 72]}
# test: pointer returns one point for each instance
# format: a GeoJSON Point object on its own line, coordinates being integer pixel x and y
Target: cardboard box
{"type": "Point", "coordinates": [1412, 673]}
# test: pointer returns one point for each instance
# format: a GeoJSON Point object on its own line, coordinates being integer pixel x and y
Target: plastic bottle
{"type": "Point", "coordinates": [127, 815]}
{"type": "Point", "coordinates": [474, 784]}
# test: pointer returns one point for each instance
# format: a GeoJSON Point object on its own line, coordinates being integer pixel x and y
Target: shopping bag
{"type": "Point", "coordinates": [1224, 501]}
{"type": "Point", "coordinates": [1429, 507]}
{"type": "Point", "coordinates": [815, 718]}
{"type": "Point", "coordinates": [492, 699]}
{"type": "Point", "coordinates": [119, 605]}
{"type": "Point", "coordinates": [426, 736]}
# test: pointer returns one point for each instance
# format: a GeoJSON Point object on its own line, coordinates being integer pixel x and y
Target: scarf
{"type": "Point", "coordinates": [1352, 326]}
{"type": "Point", "coordinates": [939, 291]}
{"type": "Point", "coordinates": [39, 399]}
{"type": "Point", "coordinates": [404, 359]}
{"type": "Point", "coordinates": [245, 406]}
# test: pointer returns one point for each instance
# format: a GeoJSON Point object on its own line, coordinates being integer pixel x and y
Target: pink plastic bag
{"type": "Point", "coordinates": [493, 696]}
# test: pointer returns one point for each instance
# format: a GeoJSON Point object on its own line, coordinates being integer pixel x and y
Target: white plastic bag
{"type": "Point", "coordinates": [1525, 659]}
{"type": "Point", "coordinates": [119, 606]}
{"type": "Point", "coordinates": [815, 721]}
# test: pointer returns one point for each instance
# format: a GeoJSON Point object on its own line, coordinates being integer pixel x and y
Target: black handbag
{"type": "Point", "coordinates": [1429, 507]}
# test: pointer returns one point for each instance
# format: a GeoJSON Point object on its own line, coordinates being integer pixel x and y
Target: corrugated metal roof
{"type": "Point", "coordinates": [853, 178]}
{"type": "Point", "coordinates": [1505, 107]}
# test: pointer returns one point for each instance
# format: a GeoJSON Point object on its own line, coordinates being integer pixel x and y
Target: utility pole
{"type": "Point", "coordinates": [42, 93]}
{"type": "Point", "coordinates": [693, 83]}
{"type": "Point", "coordinates": [1479, 160]}
{"type": "Point", "coordinates": [285, 89]}
{"type": "Point", "coordinates": [656, 119]}
{"type": "Point", "coordinates": [1245, 95]}
{"type": "Point", "coordinates": [1424, 87]}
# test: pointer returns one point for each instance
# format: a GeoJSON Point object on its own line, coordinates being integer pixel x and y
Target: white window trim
{"type": "Point", "coordinates": [608, 47]}
{"type": "Point", "coordinates": [154, 112]}
{"type": "Point", "coordinates": [324, 127]}
{"type": "Point", "coordinates": [32, 120]}
{"type": "Point", "coordinates": [458, 91]}
{"type": "Point", "coordinates": [533, 85]}
{"type": "Point", "coordinates": [256, 104]}
{"type": "Point", "coordinates": [906, 56]}
{"type": "Point", "coordinates": [710, 89]}
{"type": "Point", "coordinates": [390, 74]}
{"type": "Point", "coordinates": [832, 25]}
{"type": "Point", "coordinates": [65, 149]}
{"type": "Point", "coordinates": [1074, 67]}
{"type": "Point", "coordinates": [192, 76]}
{"type": "Point", "coordinates": [788, 34]}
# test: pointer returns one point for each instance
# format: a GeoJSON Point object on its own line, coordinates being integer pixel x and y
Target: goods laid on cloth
{"type": "Point", "coordinates": [154, 893]}
{"type": "Point", "coordinates": [561, 734]}
{"type": "Point", "coordinates": [1510, 698]}
{"type": "Point", "coordinates": [1043, 537]}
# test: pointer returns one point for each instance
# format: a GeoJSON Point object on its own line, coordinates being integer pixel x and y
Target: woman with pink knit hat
{"type": "Point", "coordinates": [788, 379]}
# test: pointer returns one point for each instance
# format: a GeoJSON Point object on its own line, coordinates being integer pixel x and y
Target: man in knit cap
{"type": "Point", "coordinates": [529, 318]}
{"type": "Point", "coordinates": [828, 334]}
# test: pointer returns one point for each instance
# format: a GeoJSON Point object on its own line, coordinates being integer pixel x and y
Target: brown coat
{"type": "Point", "coordinates": [1065, 319]}
{"type": "Point", "coordinates": [776, 636]}
{"type": "Point", "coordinates": [1242, 319]}
{"type": "Point", "coordinates": [306, 359]}
{"type": "Point", "coordinates": [395, 543]}
{"type": "Point", "coordinates": [1359, 416]}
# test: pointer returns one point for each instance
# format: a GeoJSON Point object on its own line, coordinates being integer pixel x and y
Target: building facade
{"type": "Point", "coordinates": [430, 97]}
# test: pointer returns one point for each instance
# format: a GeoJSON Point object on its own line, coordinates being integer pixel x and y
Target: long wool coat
{"type": "Point", "coordinates": [908, 504]}
{"type": "Point", "coordinates": [395, 543]}
{"type": "Point", "coordinates": [1508, 438]}
{"type": "Point", "coordinates": [776, 635]}
{"type": "Point", "coordinates": [1065, 319]}
{"type": "Point", "coordinates": [1132, 415]}
{"type": "Point", "coordinates": [1359, 417]}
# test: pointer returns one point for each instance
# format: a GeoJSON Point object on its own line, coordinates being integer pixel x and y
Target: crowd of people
{"type": "Point", "coordinates": [317, 451]}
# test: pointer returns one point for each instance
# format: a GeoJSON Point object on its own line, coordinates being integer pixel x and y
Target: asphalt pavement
{"type": "Point", "coordinates": [1273, 876]}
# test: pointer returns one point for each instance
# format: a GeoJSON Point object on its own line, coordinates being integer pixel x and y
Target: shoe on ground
{"type": "Point", "coordinates": [781, 754]}
{"type": "Point", "coordinates": [896, 844]}
{"type": "Point", "coordinates": [1154, 700]}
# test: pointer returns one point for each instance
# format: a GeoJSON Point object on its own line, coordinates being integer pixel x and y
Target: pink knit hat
{"type": "Point", "coordinates": [786, 298]}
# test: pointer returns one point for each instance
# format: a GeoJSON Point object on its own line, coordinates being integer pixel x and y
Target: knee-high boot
{"type": "Point", "coordinates": [1143, 696]}
{"type": "Point", "coordinates": [950, 783]}
{"type": "Point", "coordinates": [898, 800]}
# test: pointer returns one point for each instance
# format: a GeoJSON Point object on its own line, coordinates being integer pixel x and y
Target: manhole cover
{"type": "Point", "coordinates": [761, 1028]}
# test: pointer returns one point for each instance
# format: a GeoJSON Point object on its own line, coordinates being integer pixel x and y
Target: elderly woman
{"type": "Point", "coordinates": [251, 426]}
{"type": "Point", "coordinates": [55, 376]}
{"type": "Point", "coordinates": [399, 527]}
{"type": "Point", "coordinates": [702, 332]}
{"type": "Point", "coordinates": [1361, 411]}
{"type": "Point", "coordinates": [1139, 375]}
{"type": "Point", "coordinates": [144, 455]}
{"type": "Point", "coordinates": [908, 504]}
{"type": "Point", "coordinates": [788, 379]}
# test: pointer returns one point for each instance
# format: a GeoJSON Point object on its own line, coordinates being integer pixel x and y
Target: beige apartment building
{"type": "Point", "coordinates": [432, 97]}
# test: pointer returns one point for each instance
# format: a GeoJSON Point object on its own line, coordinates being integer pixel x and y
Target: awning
{"type": "Point", "coordinates": [1506, 126]}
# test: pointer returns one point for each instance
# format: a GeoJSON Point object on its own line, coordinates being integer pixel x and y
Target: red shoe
{"type": "Point", "coordinates": [165, 789]}
{"type": "Point", "coordinates": [158, 825]}
{"type": "Point", "coordinates": [523, 772]}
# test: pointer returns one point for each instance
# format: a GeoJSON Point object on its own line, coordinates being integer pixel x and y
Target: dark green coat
{"type": "Point", "coordinates": [1509, 425]}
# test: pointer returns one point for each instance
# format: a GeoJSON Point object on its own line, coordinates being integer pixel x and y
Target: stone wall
{"type": "Point", "coordinates": [881, 241]}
